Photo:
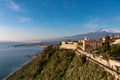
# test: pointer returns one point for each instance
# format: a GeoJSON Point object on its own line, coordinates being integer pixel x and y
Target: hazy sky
{"type": "Point", "coordinates": [46, 19]}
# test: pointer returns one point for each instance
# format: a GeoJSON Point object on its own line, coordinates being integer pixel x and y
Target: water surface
{"type": "Point", "coordinates": [11, 58]}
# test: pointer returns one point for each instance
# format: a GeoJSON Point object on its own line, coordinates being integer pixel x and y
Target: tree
{"type": "Point", "coordinates": [107, 43]}
{"type": "Point", "coordinates": [115, 51]}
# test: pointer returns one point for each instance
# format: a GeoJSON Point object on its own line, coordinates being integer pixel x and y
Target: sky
{"type": "Point", "coordinates": [22, 20]}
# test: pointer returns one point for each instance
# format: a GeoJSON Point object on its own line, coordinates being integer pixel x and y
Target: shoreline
{"type": "Point", "coordinates": [13, 72]}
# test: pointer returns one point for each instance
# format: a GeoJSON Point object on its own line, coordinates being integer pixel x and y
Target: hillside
{"type": "Point", "coordinates": [91, 35]}
{"type": "Point", "coordinates": [56, 64]}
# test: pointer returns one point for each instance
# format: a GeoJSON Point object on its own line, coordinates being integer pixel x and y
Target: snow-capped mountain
{"type": "Point", "coordinates": [92, 35]}
{"type": "Point", "coordinates": [109, 30]}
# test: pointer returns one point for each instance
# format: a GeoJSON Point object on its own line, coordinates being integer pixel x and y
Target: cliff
{"type": "Point", "coordinates": [56, 64]}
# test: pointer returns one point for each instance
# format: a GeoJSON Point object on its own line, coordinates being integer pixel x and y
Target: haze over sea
{"type": "Point", "coordinates": [12, 58]}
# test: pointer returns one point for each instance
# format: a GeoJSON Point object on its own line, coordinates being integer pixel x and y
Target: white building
{"type": "Point", "coordinates": [69, 45]}
{"type": "Point", "coordinates": [117, 41]}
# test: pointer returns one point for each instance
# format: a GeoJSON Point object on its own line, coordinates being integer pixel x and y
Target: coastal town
{"type": "Point", "coordinates": [91, 49]}
{"type": "Point", "coordinates": [59, 39]}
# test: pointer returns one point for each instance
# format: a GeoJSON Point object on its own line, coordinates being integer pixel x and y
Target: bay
{"type": "Point", "coordinates": [11, 58]}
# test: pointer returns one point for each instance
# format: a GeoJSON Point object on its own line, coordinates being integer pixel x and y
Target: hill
{"type": "Point", "coordinates": [56, 64]}
{"type": "Point", "coordinates": [92, 35]}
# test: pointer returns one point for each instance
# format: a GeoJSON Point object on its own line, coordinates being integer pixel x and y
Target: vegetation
{"type": "Point", "coordinates": [32, 69]}
{"type": "Point", "coordinates": [107, 44]}
{"type": "Point", "coordinates": [109, 51]}
{"type": "Point", "coordinates": [115, 51]}
{"type": "Point", "coordinates": [60, 64]}
{"type": "Point", "coordinates": [57, 66]}
{"type": "Point", "coordinates": [86, 71]}
{"type": "Point", "coordinates": [80, 43]}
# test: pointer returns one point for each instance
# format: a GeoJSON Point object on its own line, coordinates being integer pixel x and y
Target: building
{"type": "Point", "coordinates": [85, 45]}
{"type": "Point", "coordinates": [117, 41]}
{"type": "Point", "coordinates": [118, 36]}
{"type": "Point", "coordinates": [69, 45]}
{"type": "Point", "coordinates": [90, 45]}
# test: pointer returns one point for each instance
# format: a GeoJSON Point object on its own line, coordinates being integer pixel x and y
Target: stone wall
{"type": "Point", "coordinates": [69, 45]}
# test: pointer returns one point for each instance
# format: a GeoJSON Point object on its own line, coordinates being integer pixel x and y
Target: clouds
{"type": "Point", "coordinates": [24, 19]}
{"type": "Point", "coordinates": [108, 22]}
{"type": "Point", "coordinates": [13, 5]}
{"type": "Point", "coordinates": [90, 26]}
{"type": "Point", "coordinates": [18, 8]}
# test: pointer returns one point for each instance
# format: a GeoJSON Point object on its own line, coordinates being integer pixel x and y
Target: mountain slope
{"type": "Point", "coordinates": [56, 64]}
{"type": "Point", "coordinates": [91, 35]}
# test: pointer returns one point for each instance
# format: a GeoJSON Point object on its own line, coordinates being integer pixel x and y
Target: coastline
{"type": "Point", "coordinates": [13, 72]}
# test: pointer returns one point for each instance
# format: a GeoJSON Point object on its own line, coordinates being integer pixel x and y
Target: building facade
{"type": "Point", "coordinates": [90, 45]}
{"type": "Point", "coordinates": [69, 45]}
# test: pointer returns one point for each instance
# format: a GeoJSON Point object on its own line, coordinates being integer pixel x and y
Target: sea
{"type": "Point", "coordinates": [11, 58]}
